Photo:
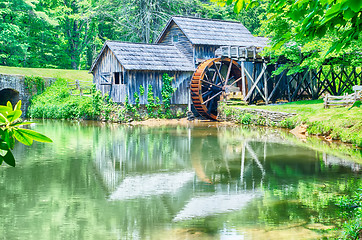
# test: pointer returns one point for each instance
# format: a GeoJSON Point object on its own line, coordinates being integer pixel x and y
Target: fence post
{"type": "Point", "coordinates": [326, 101]}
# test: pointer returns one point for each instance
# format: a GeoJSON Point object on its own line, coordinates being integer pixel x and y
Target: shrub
{"type": "Point", "coordinates": [57, 103]}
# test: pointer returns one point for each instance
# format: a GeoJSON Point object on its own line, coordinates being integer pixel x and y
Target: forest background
{"type": "Point", "coordinates": [68, 34]}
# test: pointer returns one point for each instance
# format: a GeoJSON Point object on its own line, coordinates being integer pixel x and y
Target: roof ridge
{"type": "Point", "coordinates": [138, 43]}
{"type": "Point", "coordinates": [207, 19]}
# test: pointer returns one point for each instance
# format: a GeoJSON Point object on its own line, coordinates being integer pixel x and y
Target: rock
{"type": "Point", "coordinates": [300, 131]}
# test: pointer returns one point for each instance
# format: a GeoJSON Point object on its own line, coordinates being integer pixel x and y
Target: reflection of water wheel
{"type": "Point", "coordinates": [212, 80]}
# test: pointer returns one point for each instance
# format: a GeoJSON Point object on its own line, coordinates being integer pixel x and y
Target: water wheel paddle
{"type": "Point", "coordinates": [211, 81]}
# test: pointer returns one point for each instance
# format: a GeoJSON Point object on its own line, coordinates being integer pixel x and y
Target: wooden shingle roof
{"type": "Point", "coordinates": [141, 56]}
{"type": "Point", "coordinates": [212, 32]}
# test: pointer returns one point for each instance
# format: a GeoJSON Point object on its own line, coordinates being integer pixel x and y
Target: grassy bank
{"type": "Point", "coordinates": [339, 123]}
{"type": "Point", "coordinates": [47, 72]}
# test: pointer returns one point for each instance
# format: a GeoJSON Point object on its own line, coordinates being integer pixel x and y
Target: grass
{"type": "Point", "coordinates": [336, 122]}
{"type": "Point", "coordinates": [47, 72]}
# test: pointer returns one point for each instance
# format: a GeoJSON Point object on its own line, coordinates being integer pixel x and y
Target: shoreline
{"type": "Point", "coordinates": [303, 119]}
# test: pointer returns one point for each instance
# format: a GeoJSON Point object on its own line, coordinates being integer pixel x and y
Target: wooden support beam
{"type": "Point", "coordinates": [299, 85]}
{"type": "Point", "coordinates": [265, 85]}
{"type": "Point", "coordinates": [277, 85]}
{"type": "Point", "coordinates": [255, 85]}
{"type": "Point", "coordinates": [243, 78]}
{"type": "Point", "coordinates": [228, 73]}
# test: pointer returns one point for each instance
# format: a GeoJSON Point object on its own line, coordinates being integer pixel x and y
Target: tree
{"type": "Point", "coordinates": [310, 33]}
{"type": "Point", "coordinates": [13, 46]}
{"type": "Point", "coordinates": [9, 131]}
{"type": "Point", "coordinates": [77, 22]}
{"type": "Point", "coordinates": [313, 18]}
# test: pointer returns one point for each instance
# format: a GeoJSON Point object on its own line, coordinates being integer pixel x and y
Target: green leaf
{"type": "Point", "coordinates": [9, 105]}
{"type": "Point", "coordinates": [34, 135]}
{"type": "Point", "coordinates": [9, 159]}
{"type": "Point", "coordinates": [3, 145]}
{"type": "Point", "coordinates": [1, 159]}
{"type": "Point", "coordinates": [279, 44]}
{"type": "Point", "coordinates": [3, 152]}
{"type": "Point", "coordinates": [10, 141]}
{"type": "Point", "coordinates": [239, 5]}
{"type": "Point", "coordinates": [4, 110]}
{"type": "Point", "coordinates": [18, 106]}
{"type": "Point", "coordinates": [21, 123]}
{"type": "Point", "coordinates": [295, 15]}
{"type": "Point", "coordinates": [335, 9]}
{"type": "Point", "coordinates": [3, 119]}
{"type": "Point", "coordinates": [348, 14]}
{"type": "Point", "coordinates": [355, 5]}
{"type": "Point", "coordinates": [228, 2]}
{"type": "Point", "coordinates": [14, 115]}
{"type": "Point", "coordinates": [21, 137]}
{"type": "Point", "coordinates": [252, 4]}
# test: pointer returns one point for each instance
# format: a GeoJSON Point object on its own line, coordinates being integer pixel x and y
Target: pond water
{"type": "Point", "coordinates": [108, 181]}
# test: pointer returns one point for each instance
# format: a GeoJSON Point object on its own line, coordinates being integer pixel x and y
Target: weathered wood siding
{"type": "Point", "coordinates": [204, 52]}
{"type": "Point", "coordinates": [183, 44]}
{"type": "Point", "coordinates": [108, 63]}
{"type": "Point", "coordinates": [137, 78]}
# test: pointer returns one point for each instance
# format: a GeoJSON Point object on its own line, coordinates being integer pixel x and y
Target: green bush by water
{"type": "Point", "coordinates": [57, 103]}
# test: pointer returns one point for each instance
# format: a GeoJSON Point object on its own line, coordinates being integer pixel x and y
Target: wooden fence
{"type": "Point", "coordinates": [81, 88]}
{"type": "Point", "coordinates": [345, 100]}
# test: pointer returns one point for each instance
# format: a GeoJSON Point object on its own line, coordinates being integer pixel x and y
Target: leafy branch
{"type": "Point", "coordinates": [10, 130]}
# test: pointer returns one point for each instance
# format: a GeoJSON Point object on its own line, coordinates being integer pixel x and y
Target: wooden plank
{"type": "Point", "coordinates": [243, 78]}
{"type": "Point", "coordinates": [265, 85]}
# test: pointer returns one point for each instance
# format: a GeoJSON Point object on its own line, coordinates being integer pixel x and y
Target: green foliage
{"type": "Point", "coordinates": [137, 100]}
{"type": "Point", "coordinates": [129, 106]}
{"type": "Point", "coordinates": [309, 33]}
{"type": "Point", "coordinates": [37, 82]}
{"type": "Point", "coordinates": [356, 104]}
{"type": "Point", "coordinates": [166, 92]}
{"type": "Point", "coordinates": [70, 33]}
{"type": "Point", "coordinates": [10, 130]}
{"type": "Point", "coordinates": [57, 103]}
{"type": "Point", "coordinates": [142, 90]}
{"type": "Point", "coordinates": [246, 119]}
{"type": "Point", "coordinates": [152, 105]}
{"type": "Point", "coordinates": [289, 123]}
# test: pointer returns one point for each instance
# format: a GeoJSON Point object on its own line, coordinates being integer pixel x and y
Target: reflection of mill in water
{"type": "Point", "coordinates": [216, 160]}
{"type": "Point", "coordinates": [201, 172]}
{"type": "Point", "coordinates": [136, 165]}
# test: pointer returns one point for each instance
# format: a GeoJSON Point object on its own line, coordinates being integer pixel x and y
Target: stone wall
{"type": "Point", "coordinates": [12, 88]}
{"type": "Point", "coordinates": [269, 115]}
{"type": "Point", "coordinates": [264, 117]}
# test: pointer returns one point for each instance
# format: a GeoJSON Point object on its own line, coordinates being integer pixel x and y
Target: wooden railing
{"type": "Point", "coordinates": [345, 100]}
{"type": "Point", "coordinates": [80, 88]}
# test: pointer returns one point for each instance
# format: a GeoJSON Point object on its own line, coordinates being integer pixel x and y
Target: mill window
{"type": "Point", "coordinates": [118, 78]}
{"type": "Point", "coordinates": [175, 38]}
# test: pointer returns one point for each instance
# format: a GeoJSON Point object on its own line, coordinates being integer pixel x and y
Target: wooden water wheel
{"type": "Point", "coordinates": [211, 82]}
